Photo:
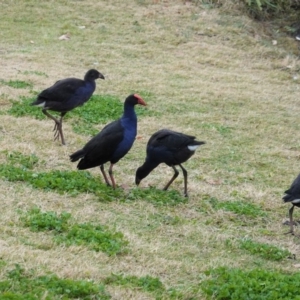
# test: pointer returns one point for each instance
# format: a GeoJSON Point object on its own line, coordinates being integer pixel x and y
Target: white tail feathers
{"type": "Point", "coordinates": [193, 147]}
{"type": "Point", "coordinates": [41, 104]}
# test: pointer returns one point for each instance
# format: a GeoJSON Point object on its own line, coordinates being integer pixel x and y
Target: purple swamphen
{"type": "Point", "coordinates": [65, 95]}
{"type": "Point", "coordinates": [169, 147]}
{"type": "Point", "coordinates": [112, 142]}
{"type": "Point", "coordinates": [293, 196]}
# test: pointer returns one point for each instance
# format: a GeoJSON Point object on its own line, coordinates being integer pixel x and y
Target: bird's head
{"type": "Point", "coordinates": [138, 178]}
{"type": "Point", "coordinates": [135, 99]}
{"type": "Point", "coordinates": [142, 172]}
{"type": "Point", "coordinates": [93, 74]}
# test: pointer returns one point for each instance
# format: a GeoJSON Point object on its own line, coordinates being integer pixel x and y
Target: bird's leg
{"type": "Point", "coordinates": [104, 175]}
{"type": "Point", "coordinates": [110, 172]}
{"type": "Point", "coordinates": [185, 180]}
{"type": "Point", "coordinates": [172, 179]}
{"type": "Point", "coordinates": [291, 210]}
{"type": "Point", "coordinates": [58, 129]}
{"type": "Point", "coordinates": [57, 126]}
{"type": "Point", "coordinates": [51, 117]}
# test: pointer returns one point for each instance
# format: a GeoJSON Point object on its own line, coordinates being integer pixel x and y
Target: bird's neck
{"type": "Point", "coordinates": [91, 83]}
{"type": "Point", "coordinates": [147, 167]}
{"type": "Point", "coordinates": [129, 113]}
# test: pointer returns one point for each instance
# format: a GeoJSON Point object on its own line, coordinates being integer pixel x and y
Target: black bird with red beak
{"type": "Point", "coordinates": [112, 142]}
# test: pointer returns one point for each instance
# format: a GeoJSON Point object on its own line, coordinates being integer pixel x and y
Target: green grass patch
{"type": "Point", "coordinates": [157, 197]}
{"type": "Point", "coordinates": [76, 182]}
{"type": "Point", "coordinates": [258, 284]}
{"type": "Point", "coordinates": [159, 218]}
{"type": "Point", "coordinates": [95, 237]}
{"type": "Point", "coordinates": [221, 129]}
{"type": "Point", "coordinates": [46, 221]}
{"type": "Point", "coordinates": [23, 108]}
{"type": "Point", "coordinates": [87, 119]}
{"type": "Point", "coordinates": [24, 161]}
{"type": "Point", "coordinates": [35, 73]}
{"type": "Point", "coordinates": [238, 207]}
{"type": "Point", "coordinates": [20, 168]}
{"type": "Point", "coordinates": [19, 284]}
{"type": "Point", "coordinates": [17, 84]}
{"type": "Point", "coordinates": [72, 182]}
{"type": "Point", "coordinates": [263, 250]}
{"type": "Point", "coordinates": [146, 283]}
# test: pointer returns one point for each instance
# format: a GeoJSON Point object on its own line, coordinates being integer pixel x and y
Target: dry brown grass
{"type": "Point", "coordinates": [208, 72]}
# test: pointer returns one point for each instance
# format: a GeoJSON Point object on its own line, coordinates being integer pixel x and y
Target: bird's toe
{"type": "Point", "coordinates": [290, 232]}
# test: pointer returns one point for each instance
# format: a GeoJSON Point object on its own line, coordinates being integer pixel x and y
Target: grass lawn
{"type": "Point", "coordinates": [203, 71]}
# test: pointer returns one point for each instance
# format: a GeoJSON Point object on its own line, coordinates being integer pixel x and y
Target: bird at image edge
{"type": "Point", "coordinates": [293, 196]}
{"type": "Point", "coordinates": [65, 95]}
{"type": "Point", "coordinates": [112, 142]}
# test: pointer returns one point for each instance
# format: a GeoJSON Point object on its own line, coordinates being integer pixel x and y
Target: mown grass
{"type": "Point", "coordinates": [100, 109]}
{"type": "Point", "coordinates": [239, 207]}
{"type": "Point", "coordinates": [264, 250]}
{"type": "Point", "coordinates": [222, 77]}
{"type": "Point", "coordinates": [234, 283]}
{"type": "Point", "coordinates": [20, 169]}
{"type": "Point", "coordinates": [17, 84]}
{"type": "Point", "coordinates": [95, 237]}
{"type": "Point", "coordinates": [20, 284]}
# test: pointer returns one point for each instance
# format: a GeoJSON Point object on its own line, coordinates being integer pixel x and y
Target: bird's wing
{"type": "Point", "coordinates": [159, 137]}
{"type": "Point", "coordinates": [62, 90]}
{"type": "Point", "coordinates": [170, 139]}
{"type": "Point", "coordinates": [102, 146]}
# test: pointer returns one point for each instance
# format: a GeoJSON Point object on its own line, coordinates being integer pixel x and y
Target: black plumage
{"type": "Point", "coordinates": [112, 143]}
{"type": "Point", "coordinates": [65, 95]}
{"type": "Point", "coordinates": [293, 196]}
{"type": "Point", "coordinates": [169, 147]}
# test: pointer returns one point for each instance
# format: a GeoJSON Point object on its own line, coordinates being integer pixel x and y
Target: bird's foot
{"type": "Point", "coordinates": [295, 223]}
{"type": "Point", "coordinates": [58, 132]}
{"type": "Point", "coordinates": [56, 129]}
{"type": "Point", "coordinates": [293, 233]}
{"type": "Point", "coordinates": [290, 232]}
{"type": "Point", "coordinates": [56, 135]}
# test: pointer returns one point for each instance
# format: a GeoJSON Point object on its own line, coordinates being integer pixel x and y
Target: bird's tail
{"type": "Point", "coordinates": [194, 145]}
{"type": "Point", "coordinates": [77, 155]}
